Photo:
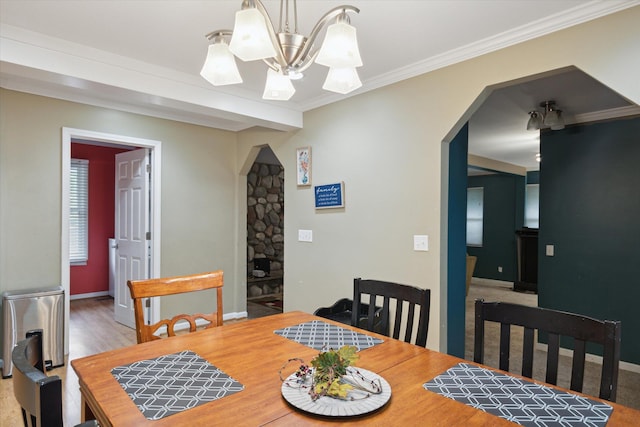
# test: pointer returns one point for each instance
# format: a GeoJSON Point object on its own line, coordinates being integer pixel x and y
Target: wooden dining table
{"type": "Point", "coordinates": [252, 354]}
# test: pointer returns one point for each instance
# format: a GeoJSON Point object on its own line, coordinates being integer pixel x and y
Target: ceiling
{"type": "Point", "coordinates": [497, 130]}
{"type": "Point", "coordinates": [144, 56]}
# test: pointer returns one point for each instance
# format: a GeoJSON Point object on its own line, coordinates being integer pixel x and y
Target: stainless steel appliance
{"type": "Point", "coordinates": [33, 309]}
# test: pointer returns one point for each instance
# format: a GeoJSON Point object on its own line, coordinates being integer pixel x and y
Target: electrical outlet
{"type": "Point", "coordinates": [500, 269]}
{"type": "Point", "coordinates": [305, 235]}
{"type": "Point", "coordinates": [550, 250]}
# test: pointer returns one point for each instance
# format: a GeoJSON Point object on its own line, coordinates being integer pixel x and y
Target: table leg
{"type": "Point", "coordinates": [86, 412]}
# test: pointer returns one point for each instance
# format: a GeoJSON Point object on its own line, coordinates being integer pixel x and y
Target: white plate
{"type": "Point", "coordinates": [299, 398]}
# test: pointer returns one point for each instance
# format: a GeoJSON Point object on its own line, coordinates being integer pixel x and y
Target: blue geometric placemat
{"type": "Point", "coordinates": [170, 384]}
{"type": "Point", "coordinates": [516, 400]}
{"type": "Point", "coordinates": [320, 336]}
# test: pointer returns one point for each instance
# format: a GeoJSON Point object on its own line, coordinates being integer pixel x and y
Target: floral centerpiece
{"type": "Point", "coordinates": [331, 373]}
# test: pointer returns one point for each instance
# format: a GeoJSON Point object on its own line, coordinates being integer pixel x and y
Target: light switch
{"type": "Point", "coordinates": [305, 235]}
{"type": "Point", "coordinates": [549, 250]}
{"type": "Point", "coordinates": [420, 243]}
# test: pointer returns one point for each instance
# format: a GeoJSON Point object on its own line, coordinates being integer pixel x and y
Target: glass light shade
{"type": "Point", "coordinates": [250, 39]}
{"type": "Point", "coordinates": [340, 47]}
{"type": "Point", "coordinates": [342, 80]}
{"type": "Point", "coordinates": [278, 87]}
{"type": "Point", "coordinates": [551, 118]}
{"type": "Point", "coordinates": [559, 122]}
{"type": "Point", "coordinates": [535, 121]}
{"type": "Point", "coordinates": [220, 66]}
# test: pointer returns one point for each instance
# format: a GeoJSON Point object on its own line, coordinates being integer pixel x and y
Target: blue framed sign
{"type": "Point", "coordinates": [329, 195]}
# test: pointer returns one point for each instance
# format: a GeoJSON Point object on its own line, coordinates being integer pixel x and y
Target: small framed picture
{"type": "Point", "coordinates": [303, 166]}
{"type": "Point", "coordinates": [329, 196]}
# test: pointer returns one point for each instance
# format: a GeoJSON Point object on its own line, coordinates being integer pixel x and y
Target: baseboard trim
{"type": "Point", "coordinates": [89, 295]}
{"type": "Point", "coordinates": [491, 282]}
{"type": "Point", "coordinates": [236, 315]}
{"type": "Point", "coordinates": [627, 366]}
{"type": "Point", "coordinates": [631, 367]}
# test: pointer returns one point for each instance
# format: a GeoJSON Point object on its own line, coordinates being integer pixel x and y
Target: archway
{"type": "Point", "coordinates": [524, 94]}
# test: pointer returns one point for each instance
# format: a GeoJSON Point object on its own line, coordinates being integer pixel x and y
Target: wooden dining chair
{"type": "Point", "coordinates": [555, 324]}
{"type": "Point", "coordinates": [148, 288]}
{"type": "Point", "coordinates": [395, 297]}
{"type": "Point", "coordinates": [39, 395]}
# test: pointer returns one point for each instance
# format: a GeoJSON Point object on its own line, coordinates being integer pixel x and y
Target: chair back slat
{"type": "Point", "coordinates": [555, 323]}
{"type": "Point", "coordinates": [409, 330]}
{"type": "Point", "coordinates": [527, 352]}
{"type": "Point", "coordinates": [141, 289]}
{"type": "Point", "coordinates": [577, 368]}
{"type": "Point", "coordinates": [505, 345]}
{"type": "Point", "coordinates": [397, 324]}
{"type": "Point", "coordinates": [386, 310]}
{"type": "Point", "coordinates": [371, 314]}
{"type": "Point", "coordinates": [553, 358]}
{"type": "Point", "coordinates": [399, 293]}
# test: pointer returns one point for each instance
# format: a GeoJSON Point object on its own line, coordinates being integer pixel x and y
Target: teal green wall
{"type": "Point", "coordinates": [590, 212]}
{"type": "Point", "coordinates": [456, 239]}
{"type": "Point", "coordinates": [503, 215]}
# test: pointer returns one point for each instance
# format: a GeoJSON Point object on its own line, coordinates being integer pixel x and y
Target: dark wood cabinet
{"type": "Point", "coordinates": [527, 247]}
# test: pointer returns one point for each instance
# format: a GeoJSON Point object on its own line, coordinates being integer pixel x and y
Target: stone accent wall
{"type": "Point", "coordinates": [265, 219]}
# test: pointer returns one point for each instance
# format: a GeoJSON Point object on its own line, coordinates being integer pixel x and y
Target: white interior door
{"type": "Point", "coordinates": [131, 228]}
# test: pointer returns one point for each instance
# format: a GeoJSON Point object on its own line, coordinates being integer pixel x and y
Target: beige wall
{"type": "Point", "coordinates": [198, 191]}
{"type": "Point", "coordinates": [386, 145]}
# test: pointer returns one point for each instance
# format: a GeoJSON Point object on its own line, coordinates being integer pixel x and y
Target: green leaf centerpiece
{"type": "Point", "coordinates": [331, 373]}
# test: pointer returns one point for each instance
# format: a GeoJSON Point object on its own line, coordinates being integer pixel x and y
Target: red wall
{"type": "Point", "coordinates": [94, 277]}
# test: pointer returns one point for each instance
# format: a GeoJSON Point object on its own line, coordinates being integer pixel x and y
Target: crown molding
{"type": "Point", "coordinates": [578, 15]}
{"type": "Point", "coordinates": [612, 113]}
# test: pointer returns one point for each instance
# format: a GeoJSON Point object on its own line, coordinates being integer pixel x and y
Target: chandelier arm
{"type": "Point", "coordinates": [305, 63]}
{"type": "Point", "coordinates": [218, 33]}
{"type": "Point", "coordinates": [272, 34]}
{"type": "Point", "coordinates": [274, 67]}
{"type": "Point", "coordinates": [333, 13]}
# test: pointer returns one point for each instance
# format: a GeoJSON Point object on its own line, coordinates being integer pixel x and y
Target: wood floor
{"type": "Point", "coordinates": [93, 330]}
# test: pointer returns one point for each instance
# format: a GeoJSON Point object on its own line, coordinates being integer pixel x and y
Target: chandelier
{"type": "Point", "coordinates": [286, 53]}
{"type": "Point", "coordinates": [551, 117]}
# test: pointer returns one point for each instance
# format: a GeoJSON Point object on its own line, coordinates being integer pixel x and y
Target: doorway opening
{"type": "Point", "coordinates": [94, 277]}
{"type": "Point", "coordinates": [265, 235]}
{"type": "Point", "coordinates": [499, 139]}
{"type": "Point", "coordinates": [109, 140]}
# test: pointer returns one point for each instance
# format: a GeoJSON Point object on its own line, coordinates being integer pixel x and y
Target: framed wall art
{"type": "Point", "coordinates": [329, 196]}
{"type": "Point", "coordinates": [303, 166]}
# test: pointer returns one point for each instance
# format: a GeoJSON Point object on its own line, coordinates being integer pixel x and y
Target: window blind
{"type": "Point", "coordinates": [532, 206]}
{"type": "Point", "coordinates": [79, 212]}
{"type": "Point", "coordinates": [475, 216]}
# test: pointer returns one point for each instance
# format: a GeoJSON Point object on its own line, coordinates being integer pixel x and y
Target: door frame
{"type": "Point", "coordinates": [155, 147]}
